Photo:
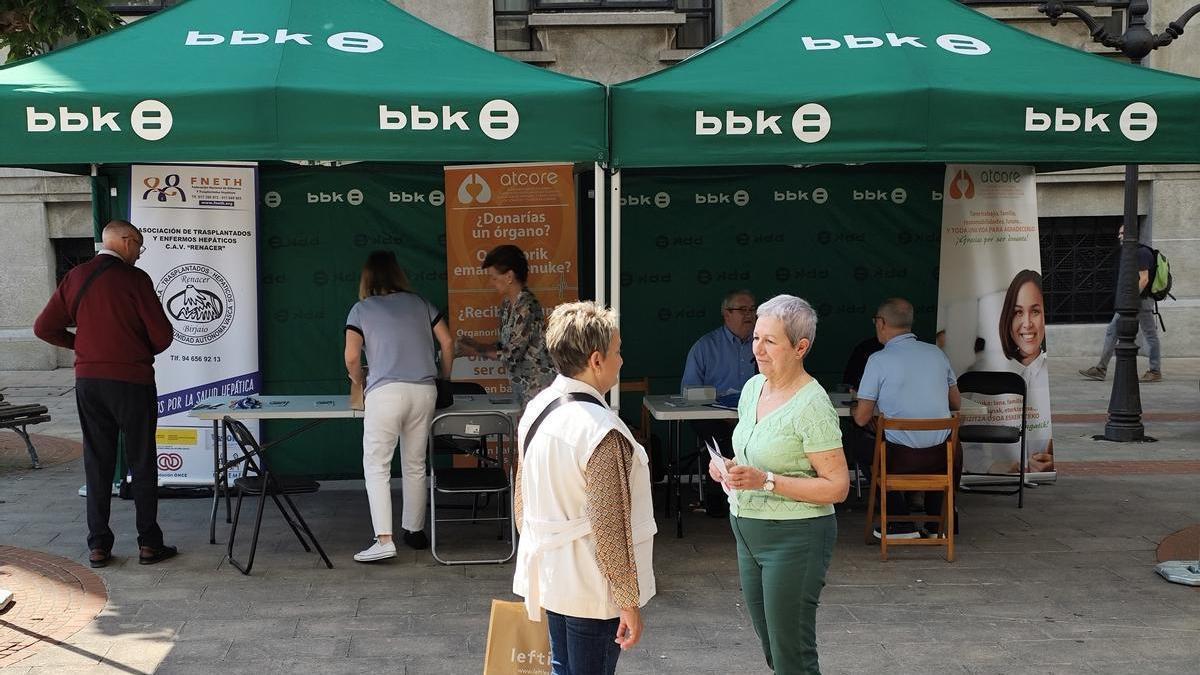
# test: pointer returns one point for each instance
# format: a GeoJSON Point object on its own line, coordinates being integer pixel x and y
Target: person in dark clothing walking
{"type": "Point", "coordinates": [120, 326]}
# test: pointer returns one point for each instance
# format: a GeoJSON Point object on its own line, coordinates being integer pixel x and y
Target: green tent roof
{"type": "Point", "coordinates": [899, 81]}
{"type": "Point", "coordinates": [291, 79]}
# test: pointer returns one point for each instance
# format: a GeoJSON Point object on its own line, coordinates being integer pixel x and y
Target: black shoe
{"type": "Point", "coordinates": [416, 540]}
{"type": "Point", "coordinates": [899, 531]}
{"type": "Point", "coordinates": [98, 557]}
{"type": "Point", "coordinates": [931, 529]}
{"type": "Point", "coordinates": [148, 555]}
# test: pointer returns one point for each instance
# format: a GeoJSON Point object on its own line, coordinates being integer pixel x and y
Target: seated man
{"type": "Point", "coordinates": [723, 359]}
{"type": "Point", "coordinates": [909, 379]}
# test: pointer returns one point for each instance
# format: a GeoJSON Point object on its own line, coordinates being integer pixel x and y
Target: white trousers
{"type": "Point", "coordinates": [397, 411]}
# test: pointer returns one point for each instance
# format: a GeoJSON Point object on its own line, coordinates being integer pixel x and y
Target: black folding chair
{"type": "Point", "coordinates": [996, 383]}
{"type": "Point", "coordinates": [477, 482]}
{"type": "Point", "coordinates": [264, 483]}
{"type": "Point", "coordinates": [449, 443]}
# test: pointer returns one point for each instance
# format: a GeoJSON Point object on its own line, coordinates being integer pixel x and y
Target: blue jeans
{"type": "Point", "coordinates": [1149, 329]}
{"type": "Point", "coordinates": [583, 646]}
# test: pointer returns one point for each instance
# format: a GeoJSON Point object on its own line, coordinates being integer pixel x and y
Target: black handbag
{"type": "Point", "coordinates": [445, 393]}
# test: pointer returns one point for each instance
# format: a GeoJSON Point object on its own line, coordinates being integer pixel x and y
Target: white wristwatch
{"type": "Point", "coordinates": [769, 483]}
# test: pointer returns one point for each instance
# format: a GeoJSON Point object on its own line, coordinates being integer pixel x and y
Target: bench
{"type": "Point", "coordinates": [18, 417]}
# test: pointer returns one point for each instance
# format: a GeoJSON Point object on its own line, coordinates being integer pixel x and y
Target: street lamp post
{"type": "Point", "coordinates": [1136, 42]}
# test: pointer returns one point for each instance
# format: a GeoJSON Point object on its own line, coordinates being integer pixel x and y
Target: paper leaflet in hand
{"type": "Point", "coordinates": [719, 460]}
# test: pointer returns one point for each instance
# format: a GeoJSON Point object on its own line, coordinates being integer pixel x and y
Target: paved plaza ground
{"type": "Point", "coordinates": [1065, 585]}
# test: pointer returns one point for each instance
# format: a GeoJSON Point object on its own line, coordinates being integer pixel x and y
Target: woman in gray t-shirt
{"type": "Point", "coordinates": [396, 328]}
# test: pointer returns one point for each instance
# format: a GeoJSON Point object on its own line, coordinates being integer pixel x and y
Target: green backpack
{"type": "Point", "coordinates": [1159, 287]}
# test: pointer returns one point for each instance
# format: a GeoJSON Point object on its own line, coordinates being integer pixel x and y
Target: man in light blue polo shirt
{"type": "Point", "coordinates": [908, 379]}
{"type": "Point", "coordinates": [722, 359]}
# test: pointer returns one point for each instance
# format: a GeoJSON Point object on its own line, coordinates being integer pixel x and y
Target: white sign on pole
{"type": "Point", "coordinates": [200, 227]}
{"type": "Point", "coordinates": [991, 311]}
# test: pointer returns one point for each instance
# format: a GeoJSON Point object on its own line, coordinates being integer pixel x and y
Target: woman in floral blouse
{"type": "Point", "coordinates": [522, 345]}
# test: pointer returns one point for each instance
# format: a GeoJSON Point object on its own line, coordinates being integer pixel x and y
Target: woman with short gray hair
{"type": "Point", "coordinates": [787, 473]}
{"type": "Point", "coordinates": [582, 499]}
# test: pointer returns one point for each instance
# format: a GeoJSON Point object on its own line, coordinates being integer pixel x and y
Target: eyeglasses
{"type": "Point", "coordinates": [745, 310]}
{"type": "Point", "coordinates": [877, 318]}
{"type": "Point", "coordinates": [141, 246]}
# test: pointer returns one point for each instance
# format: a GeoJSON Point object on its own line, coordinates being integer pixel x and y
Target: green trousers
{"type": "Point", "coordinates": [782, 564]}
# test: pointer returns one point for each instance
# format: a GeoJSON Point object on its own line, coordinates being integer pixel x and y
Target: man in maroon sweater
{"type": "Point", "coordinates": [119, 326]}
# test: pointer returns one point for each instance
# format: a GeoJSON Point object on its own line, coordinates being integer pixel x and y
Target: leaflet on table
{"type": "Point", "coordinates": [719, 460]}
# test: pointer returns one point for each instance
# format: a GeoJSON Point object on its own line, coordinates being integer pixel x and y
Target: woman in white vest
{"type": "Point", "coordinates": [583, 501]}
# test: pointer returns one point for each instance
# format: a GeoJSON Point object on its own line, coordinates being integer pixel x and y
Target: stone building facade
{"type": "Point", "coordinates": [46, 219]}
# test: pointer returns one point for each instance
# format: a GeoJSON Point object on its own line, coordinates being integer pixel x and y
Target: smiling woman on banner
{"type": "Point", "coordinates": [392, 324]}
{"type": "Point", "coordinates": [1023, 339]}
{"type": "Point", "coordinates": [522, 345]}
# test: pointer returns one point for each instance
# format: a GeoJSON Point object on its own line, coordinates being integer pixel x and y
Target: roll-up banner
{"type": "Point", "coordinates": [991, 313]}
{"type": "Point", "coordinates": [529, 205]}
{"type": "Point", "coordinates": [199, 226]}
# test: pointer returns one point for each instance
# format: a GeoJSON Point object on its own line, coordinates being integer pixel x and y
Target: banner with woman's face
{"type": "Point", "coordinates": [991, 311]}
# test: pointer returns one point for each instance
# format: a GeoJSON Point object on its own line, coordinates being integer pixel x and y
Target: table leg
{"type": "Point", "coordinates": [678, 482]}
{"type": "Point", "coordinates": [670, 460]}
{"type": "Point", "coordinates": [212, 518]}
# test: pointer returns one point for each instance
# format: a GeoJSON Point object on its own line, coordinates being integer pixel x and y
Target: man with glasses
{"type": "Point", "coordinates": [120, 326]}
{"type": "Point", "coordinates": [722, 359]}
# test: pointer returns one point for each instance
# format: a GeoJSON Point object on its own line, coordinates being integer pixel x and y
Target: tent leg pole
{"type": "Point", "coordinates": [600, 293]}
{"type": "Point", "coordinates": [614, 259]}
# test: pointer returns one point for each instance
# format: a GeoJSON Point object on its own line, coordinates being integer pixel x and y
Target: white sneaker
{"type": "Point", "coordinates": [377, 551]}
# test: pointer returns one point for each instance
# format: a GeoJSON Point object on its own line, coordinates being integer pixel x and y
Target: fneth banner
{"type": "Point", "coordinates": [529, 205]}
{"type": "Point", "coordinates": [199, 225]}
{"type": "Point", "coordinates": [991, 313]}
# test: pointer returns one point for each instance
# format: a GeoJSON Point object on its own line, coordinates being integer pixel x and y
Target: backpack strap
{"type": "Point", "coordinates": [101, 268]}
{"type": "Point", "coordinates": [565, 398]}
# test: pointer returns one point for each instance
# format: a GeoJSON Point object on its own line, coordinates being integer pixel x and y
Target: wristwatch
{"type": "Point", "coordinates": [769, 483]}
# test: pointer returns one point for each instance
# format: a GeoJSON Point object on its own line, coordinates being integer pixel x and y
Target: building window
{"type": "Point", "coordinates": [70, 252]}
{"type": "Point", "coordinates": [1080, 258]}
{"type": "Point", "coordinates": [513, 33]}
{"type": "Point", "coordinates": [130, 7]}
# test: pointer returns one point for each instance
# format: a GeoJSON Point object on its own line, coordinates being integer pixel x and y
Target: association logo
{"type": "Point", "coordinates": [474, 190]}
{"type": "Point", "coordinates": [165, 189]}
{"type": "Point", "coordinates": [170, 461]}
{"type": "Point", "coordinates": [200, 302]}
{"type": "Point", "coordinates": [962, 186]}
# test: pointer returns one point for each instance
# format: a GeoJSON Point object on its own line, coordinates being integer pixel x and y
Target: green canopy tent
{"type": "Point", "coordinates": [303, 80]}
{"type": "Point", "coordinates": [291, 80]}
{"type": "Point", "coordinates": [893, 82]}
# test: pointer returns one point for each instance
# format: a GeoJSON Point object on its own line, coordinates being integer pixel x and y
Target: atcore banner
{"type": "Point", "coordinates": [529, 205]}
{"type": "Point", "coordinates": [199, 226]}
{"type": "Point", "coordinates": [991, 312]}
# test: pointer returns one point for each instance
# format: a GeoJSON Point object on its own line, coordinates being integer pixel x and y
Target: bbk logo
{"type": "Point", "coordinates": [661, 200]}
{"type": "Point", "coordinates": [272, 199]}
{"type": "Point", "coordinates": [1138, 121]}
{"type": "Point", "coordinates": [434, 198]}
{"type": "Point", "coordinates": [151, 120]}
{"type": "Point", "coordinates": [739, 198]}
{"type": "Point", "coordinates": [816, 196]}
{"type": "Point", "coordinates": [353, 197]}
{"type": "Point", "coordinates": [964, 45]}
{"type": "Point", "coordinates": [896, 196]}
{"type": "Point", "coordinates": [498, 119]}
{"type": "Point", "coordinates": [810, 123]}
{"type": "Point", "coordinates": [351, 42]}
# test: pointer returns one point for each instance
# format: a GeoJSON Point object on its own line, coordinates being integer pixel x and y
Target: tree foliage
{"type": "Point", "coordinates": [31, 27]}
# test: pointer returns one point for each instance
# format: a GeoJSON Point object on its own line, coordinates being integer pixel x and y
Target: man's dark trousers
{"type": "Point", "coordinates": [106, 408]}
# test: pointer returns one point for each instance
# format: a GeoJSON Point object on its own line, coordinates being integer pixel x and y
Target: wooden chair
{"type": "Point", "coordinates": [882, 483]}
{"type": "Point", "coordinates": [642, 386]}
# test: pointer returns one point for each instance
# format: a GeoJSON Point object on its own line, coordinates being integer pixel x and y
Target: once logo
{"type": "Point", "coordinates": [351, 42]}
{"type": "Point", "coordinates": [498, 119]}
{"type": "Point", "coordinates": [199, 301]}
{"type": "Point", "coordinates": [272, 199]}
{"type": "Point", "coordinates": [151, 120]}
{"type": "Point", "coordinates": [170, 461]}
{"type": "Point", "coordinates": [962, 186]}
{"type": "Point", "coordinates": [1138, 121]}
{"type": "Point", "coordinates": [474, 190]}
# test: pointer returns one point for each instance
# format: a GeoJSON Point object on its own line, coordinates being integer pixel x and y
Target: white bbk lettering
{"type": "Point", "coordinates": [70, 121]}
